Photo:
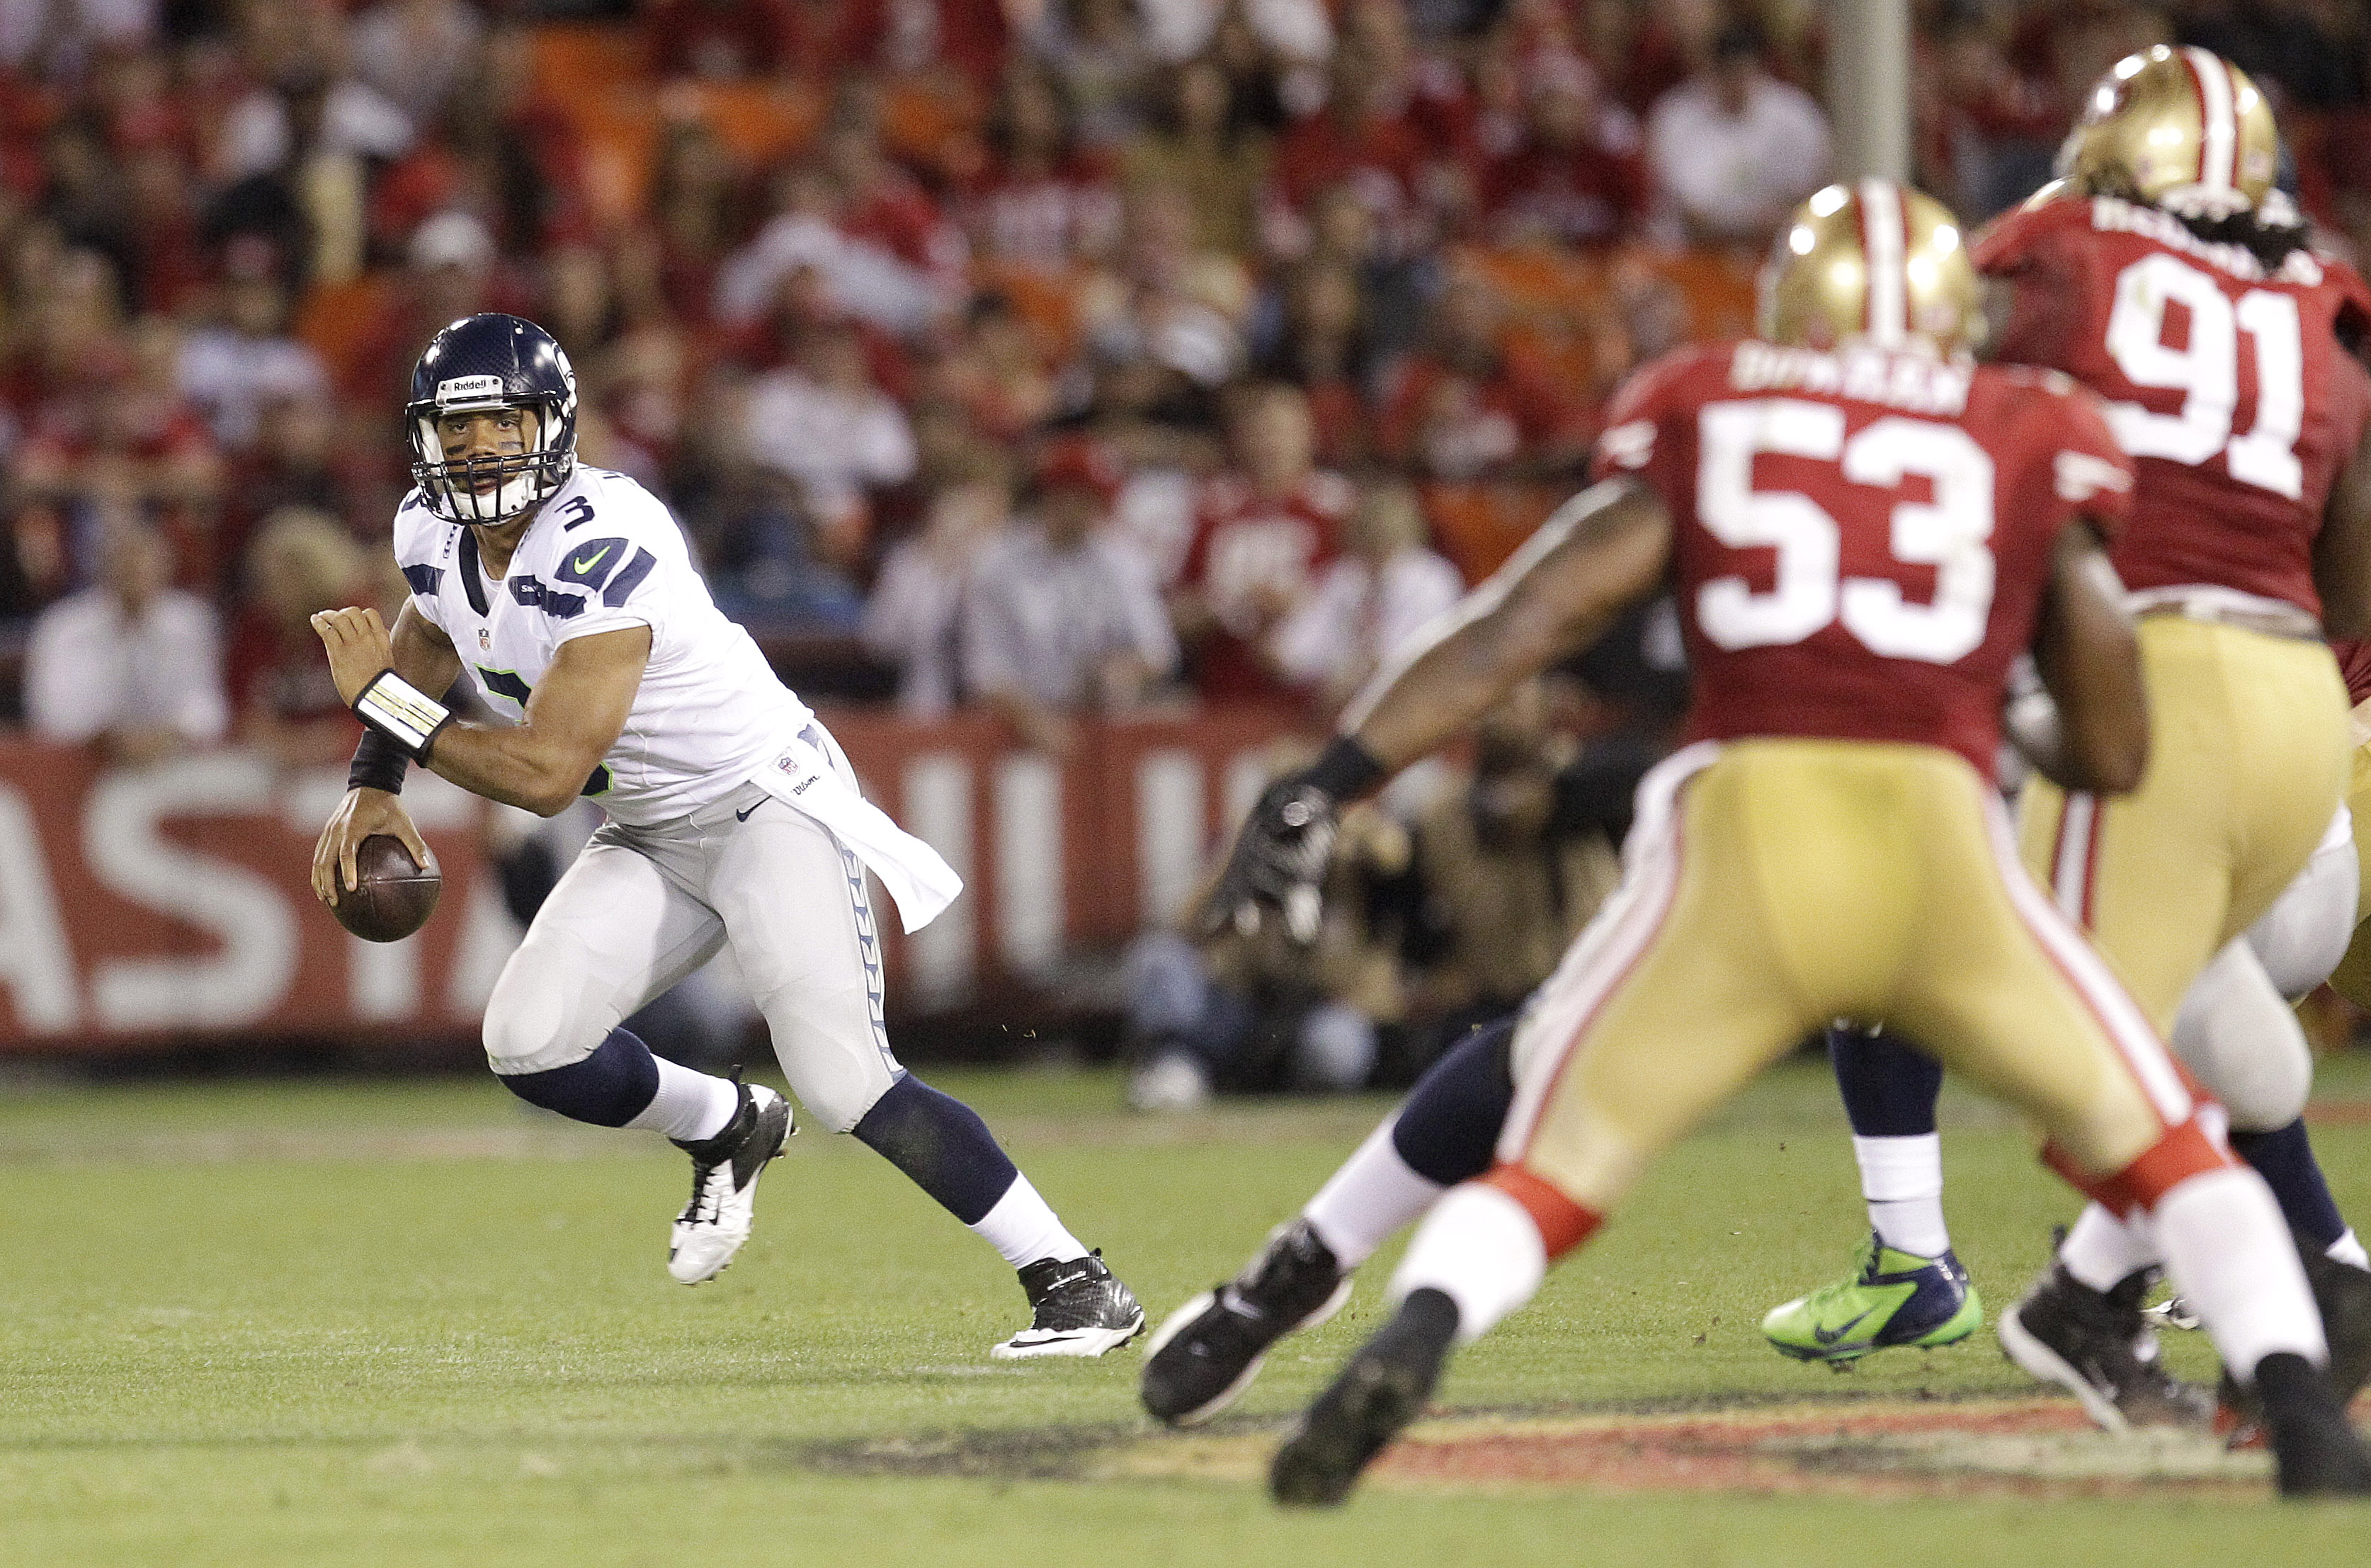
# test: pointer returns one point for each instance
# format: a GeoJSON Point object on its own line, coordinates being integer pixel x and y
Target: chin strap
{"type": "Point", "coordinates": [402, 712]}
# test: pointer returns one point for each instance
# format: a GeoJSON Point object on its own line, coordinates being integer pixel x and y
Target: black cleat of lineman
{"type": "Point", "coordinates": [2315, 1451]}
{"type": "Point", "coordinates": [1379, 1393]}
{"type": "Point", "coordinates": [1197, 1370]}
{"type": "Point", "coordinates": [2343, 1294]}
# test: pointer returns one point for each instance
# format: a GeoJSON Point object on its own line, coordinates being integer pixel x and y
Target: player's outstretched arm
{"type": "Point", "coordinates": [2090, 664]}
{"type": "Point", "coordinates": [1602, 551]}
{"type": "Point", "coordinates": [422, 655]}
{"type": "Point", "coordinates": [2341, 551]}
{"type": "Point", "coordinates": [540, 764]}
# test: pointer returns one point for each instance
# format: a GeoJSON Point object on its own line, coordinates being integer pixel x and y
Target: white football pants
{"type": "Point", "coordinates": [643, 907]}
{"type": "Point", "coordinates": [2235, 1029]}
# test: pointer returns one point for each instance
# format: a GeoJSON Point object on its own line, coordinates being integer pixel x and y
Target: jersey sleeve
{"type": "Point", "coordinates": [623, 556]}
{"type": "Point", "coordinates": [2089, 471]}
{"type": "Point", "coordinates": [2028, 253]}
{"type": "Point", "coordinates": [417, 535]}
{"type": "Point", "coordinates": [1633, 422]}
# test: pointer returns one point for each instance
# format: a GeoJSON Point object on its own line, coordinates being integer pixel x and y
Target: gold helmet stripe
{"type": "Point", "coordinates": [2219, 142]}
{"type": "Point", "coordinates": [1884, 244]}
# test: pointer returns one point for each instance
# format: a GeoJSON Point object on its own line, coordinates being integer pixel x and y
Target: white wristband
{"type": "Point", "coordinates": [402, 713]}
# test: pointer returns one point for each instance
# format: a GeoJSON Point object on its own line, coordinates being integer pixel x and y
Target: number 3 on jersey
{"type": "Point", "coordinates": [1809, 590]}
{"type": "Point", "coordinates": [2205, 369]}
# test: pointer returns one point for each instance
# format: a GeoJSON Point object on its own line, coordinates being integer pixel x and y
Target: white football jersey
{"type": "Point", "coordinates": [605, 553]}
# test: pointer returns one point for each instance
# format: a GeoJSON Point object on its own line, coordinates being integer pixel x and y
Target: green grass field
{"type": "Point", "coordinates": [384, 1323]}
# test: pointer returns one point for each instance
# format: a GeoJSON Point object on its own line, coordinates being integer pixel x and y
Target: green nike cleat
{"type": "Point", "coordinates": [1892, 1298]}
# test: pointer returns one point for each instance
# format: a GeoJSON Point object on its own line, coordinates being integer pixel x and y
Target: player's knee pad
{"type": "Point", "coordinates": [2235, 1033]}
{"type": "Point", "coordinates": [2302, 937]}
{"type": "Point", "coordinates": [533, 1024]}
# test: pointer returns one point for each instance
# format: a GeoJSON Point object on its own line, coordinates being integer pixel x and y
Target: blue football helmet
{"type": "Point", "coordinates": [477, 364]}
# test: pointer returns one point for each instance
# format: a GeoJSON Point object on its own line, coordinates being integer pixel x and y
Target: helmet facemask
{"type": "Point", "coordinates": [522, 480]}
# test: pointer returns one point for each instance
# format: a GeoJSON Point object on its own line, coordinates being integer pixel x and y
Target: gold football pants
{"type": "Point", "coordinates": [1774, 886]}
{"type": "Point", "coordinates": [2248, 763]}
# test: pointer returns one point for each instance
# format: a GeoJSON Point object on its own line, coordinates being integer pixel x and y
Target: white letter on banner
{"type": "Point", "coordinates": [258, 963]}
{"type": "Point", "coordinates": [36, 964]}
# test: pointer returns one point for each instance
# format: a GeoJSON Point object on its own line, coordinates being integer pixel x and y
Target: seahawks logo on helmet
{"type": "Point", "coordinates": [478, 364]}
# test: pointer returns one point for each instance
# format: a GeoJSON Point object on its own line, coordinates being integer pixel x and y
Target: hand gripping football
{"type": "Point", "coordinates": [394, 897]}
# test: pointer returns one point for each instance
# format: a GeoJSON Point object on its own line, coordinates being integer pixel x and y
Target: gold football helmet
{"type": "Point", "coordinates": [2183, 129]}
{"type": "Point", "coordinates": [1874, 263]}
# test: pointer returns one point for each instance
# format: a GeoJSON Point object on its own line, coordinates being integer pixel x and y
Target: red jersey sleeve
{"type": "Point", "coordinates": [1633, 421]}
{"type": "Point", "coordinates": [2028, 250]}
{"type": "Point", "coordinates": [2089, 471]}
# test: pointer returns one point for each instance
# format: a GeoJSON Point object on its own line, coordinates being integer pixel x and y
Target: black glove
{"type": "Point", "coordinates": [1279, 862]}
{"type": "Point", "coordinates": [1279, 858]}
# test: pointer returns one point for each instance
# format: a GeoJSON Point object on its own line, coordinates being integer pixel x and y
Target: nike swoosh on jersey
{"type": "Point", "coordinates": [585, 564]}
{"type": "Point", "coordinates": [745, 816]}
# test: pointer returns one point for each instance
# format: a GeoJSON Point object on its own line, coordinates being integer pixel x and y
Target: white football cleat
{"type": "Point", "coordinates": [725, 1171]}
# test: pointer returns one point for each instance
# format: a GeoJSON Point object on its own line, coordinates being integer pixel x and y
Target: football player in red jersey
{"type": "Point", "coordinates": [2163, 272]}
{"type": "Point", "coordinates": [1863, 529]}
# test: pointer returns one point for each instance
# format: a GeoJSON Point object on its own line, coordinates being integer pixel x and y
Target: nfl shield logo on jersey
{"type": "Point", "coordinates": [485, 639]}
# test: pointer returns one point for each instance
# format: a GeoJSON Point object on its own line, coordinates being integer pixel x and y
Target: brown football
{"type": "Point", "coordinates": [396, 897]}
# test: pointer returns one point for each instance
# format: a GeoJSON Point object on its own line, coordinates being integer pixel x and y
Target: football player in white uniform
{"type": "Point", "coordinates": [567, 594]}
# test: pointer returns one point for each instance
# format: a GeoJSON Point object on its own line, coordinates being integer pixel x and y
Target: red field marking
{"type": "Point", "coordinates": [2037, 1447]}
{"type": "Point", "coordinates": [2029, 1447]}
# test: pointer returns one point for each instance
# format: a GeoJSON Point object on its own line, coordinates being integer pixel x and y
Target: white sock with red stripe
{"type": "Point", "coordinates": [2230, 1253]}
{"type": "Point", "coordinates": [1369, 1200]}
{"type": "Point", "coordinates": [2102, 1249]}
{"type": "Point", "coordinates": [1482, 1250]}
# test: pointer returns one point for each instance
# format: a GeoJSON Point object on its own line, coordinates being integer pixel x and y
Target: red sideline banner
{"type": "Point", "coordinates": [174, 902]}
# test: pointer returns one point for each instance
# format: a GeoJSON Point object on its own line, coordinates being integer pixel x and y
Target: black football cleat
{"type": "Point", "coordinates": [2090, 1343]}
{"type": "Point", "coordinates": [1379, 1393]}
{"type": "Point", "coordinates": [2314, 1452]}
{"type": "Point", "coordinates": [1202, 1359]}
{"type": "Point", "coordinates": [1077, 1307]}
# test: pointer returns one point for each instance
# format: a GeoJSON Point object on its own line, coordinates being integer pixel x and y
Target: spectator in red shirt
{"type": "Point", "coordinates": [281, 697]}
{"type": "Point", "coordinates": [1040, 202]}
{"type": "Point", "coordinates": [1364, 139]}
{"type": "Point", "coordinates": [879, 202]}
{"type": "Point", "coordinates": [1322, 349]}
{"type": "Point", "coordinates": [1262, 529]}
{"type": "Point", "coordinates": [133, 447]}
{"type": "Point", "coordinates": [1578, 174]}
{"type": "Point", "coordinates": [720, 39]}
{"type": "Point", "coordinates": [1469, 406]}
{"type": "Point", "coordinates": [697, 206]}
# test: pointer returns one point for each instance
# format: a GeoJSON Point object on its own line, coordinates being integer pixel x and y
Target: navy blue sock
{"type": "Point", "coordinates": [608, 1089]}
{"type": "Point", "coordinates": [942, 1144]}
{"type": "Point", "coordinates": [1889, 1087]}
{"type": "Point", "coordinates": [1447, 1130]}
{"type": "Point", "coordinates": [2284, 1159]}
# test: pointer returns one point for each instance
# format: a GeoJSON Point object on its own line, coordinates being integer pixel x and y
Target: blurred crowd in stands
{"type": "Point", "coordinates": [1059, 356]}
{"type": "Point", "coordinates": [1062, 354]}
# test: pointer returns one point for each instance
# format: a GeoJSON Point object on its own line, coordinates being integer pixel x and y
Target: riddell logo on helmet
{"type": "Point", "coordinates": [468, 388]}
